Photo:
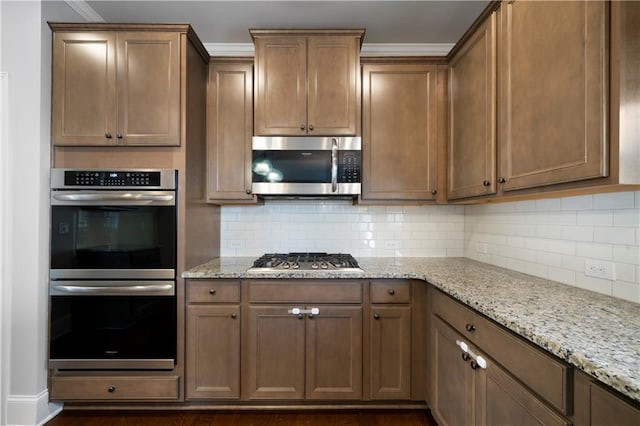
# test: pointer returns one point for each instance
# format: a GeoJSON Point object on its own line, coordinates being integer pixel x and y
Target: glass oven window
{"type": "Point", "coordinates": [113, 237]}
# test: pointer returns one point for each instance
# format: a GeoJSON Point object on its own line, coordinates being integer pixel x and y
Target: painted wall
{"type": "Point", "coordinates": [555, 239]}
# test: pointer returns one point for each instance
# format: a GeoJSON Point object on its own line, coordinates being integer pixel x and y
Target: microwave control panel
{"type": "Point", "coordinates": [111, 178]}
{"type": "Point", "coordinates": [349, 166]}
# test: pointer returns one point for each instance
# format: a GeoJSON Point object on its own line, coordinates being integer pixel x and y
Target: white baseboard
{"type": "Point", "coordinates": [30, 410]}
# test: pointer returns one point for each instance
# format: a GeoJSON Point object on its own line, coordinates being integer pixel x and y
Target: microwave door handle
{"type": "Point", "coordinates": [147, 289]}
{"type": "Point", "coordinates": [334, 164]}
{"type": "Point", "coordinates": [113, 197]}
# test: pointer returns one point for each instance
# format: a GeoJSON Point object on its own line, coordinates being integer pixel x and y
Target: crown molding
{"type": "Point", "coordinates": [84, 10]}
{"type": "Point", "coordinates": [368, 49]}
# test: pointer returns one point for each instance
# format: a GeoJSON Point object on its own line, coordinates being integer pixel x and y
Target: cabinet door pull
{"type": "Point", "coordinates": [470, 328]}
{"type": "Point", "coordinates": [119, 135]}
{"type": "Point", "coordinates": [486, 183]}
{"type": "Point", "coordinates": [248, 191]}
{"type": "Point", "coordinates": [108, 135]}
{"type": "Point", "coordinates": [302, 127]}
{"type": "Point", "coordinates": [502, 180]}
{"type": "Point", "coordinates": [376, 316]}
{"type": "Point", "coordinates": [300, 316]}
{"type": "Point", "coordinates": [111, 389]}
{"type": "Point", "coordinates": [465, 356]}
{"type": "Point", "coordinates": [212, 291]}
{"type": "Point", "coordinates": [434, 192]}
{"type": "Point", "coordinates": [311, 127]}
{"type": "Point", "coordinates": [391, 292]}
{"type": "Point", "coordinates": [234, 315]}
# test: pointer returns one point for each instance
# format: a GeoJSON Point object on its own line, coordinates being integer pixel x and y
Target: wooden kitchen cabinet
{"type": "Point", "coordinates": [213, 339]}
{"type": "Point", "coordinates": [403, 127]}
{"type": "Point", "coordinates": [472, 114]}
{"type": "Point", "coordinates": [302, 356]}
{"type": "Point", "coordinates": [518, 383]}
{"type": "Point", "coordinates": [117, 85]}
{"type": "Point", "coordinates": [553, 92]}
{"type": "Point", "coordinates": [595, 405]}
{"type": "Point", "coordinates": [307, 83]}
{"type": "Point", "coordinates": [229, 131]}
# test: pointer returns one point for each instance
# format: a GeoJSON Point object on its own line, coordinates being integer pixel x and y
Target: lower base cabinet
{"type": "Point", "coordinates": [114, 388]}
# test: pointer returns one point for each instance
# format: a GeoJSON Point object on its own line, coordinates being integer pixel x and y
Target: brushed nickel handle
{"type": "Point", "coordinates": [391, 292]}
{"type": "Point", "coordinates": [212, 291]}
{"type": "Point", "coordinates": [376, 316]}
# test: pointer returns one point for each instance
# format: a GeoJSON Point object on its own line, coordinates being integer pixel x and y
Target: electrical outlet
{"type": "Point", "coordinates": [600, 269]}
{"type": "Point", "coordinates": [391, 244]}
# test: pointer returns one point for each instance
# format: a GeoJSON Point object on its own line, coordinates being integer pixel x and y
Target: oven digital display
{"type": "Point", "coordinates": [111, 178]}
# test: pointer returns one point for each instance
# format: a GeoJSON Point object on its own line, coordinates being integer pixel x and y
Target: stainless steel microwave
{"type": "Point", "coordinates": [306, 166]}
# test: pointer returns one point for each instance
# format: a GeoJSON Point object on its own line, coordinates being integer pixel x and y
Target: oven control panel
{"type": "Point", "coordinates": [111, 178]}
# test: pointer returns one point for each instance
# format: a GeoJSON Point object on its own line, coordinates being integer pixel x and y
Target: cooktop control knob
{"type": "Point", "coordinates": [286, 265]}
{"type": "Point", "coordinates": [295, 265]}
{"type": "Point", "coordinates": [324, 265]}
{"type": "Point", "coordinates": [314, 265]}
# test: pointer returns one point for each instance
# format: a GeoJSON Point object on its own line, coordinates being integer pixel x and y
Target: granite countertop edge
{"type": "Point", "coordinates": [598, 334]}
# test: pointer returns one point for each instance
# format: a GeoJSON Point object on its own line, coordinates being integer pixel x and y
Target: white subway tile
{"type": "Point", "coordinates": [595, 250]}
{"type": "Point", "coordinates": [536, 269]}
{"type": "Point", "coordinates": [626, 254]}
{"type": "Point", "coordinates": [582, 202]}
{"type": "Point", "coordinates": [595, 217]}
{"type": "Point", "coordinates": [627, 291]}
{"type": "Point", "coordinates": [625, 272]}
{"type": "Point", "coordinates": [594, 284]}
{"type": "Point", "coordinates": [613, 235]}
{"type": "Point", "coordinates": [549, 259]}
{"type": "Point", "coordinates": [564, 276]}
{"type": "Point", "coordinates": [626, 217]}
{"type": "Point", "coordinates": [614, 200]}
{"type": "Point", "coordinates": [562, 247]}
{"type": "Point", "coordinates": [577, 233]}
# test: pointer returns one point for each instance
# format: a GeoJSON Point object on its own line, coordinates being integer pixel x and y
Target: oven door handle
{"type": "Point", "coordinates": [334, 164]}
{"type": "Point", "coordinates": [111, 288]}
{"type": "Point", "coordinates": [128, 196]}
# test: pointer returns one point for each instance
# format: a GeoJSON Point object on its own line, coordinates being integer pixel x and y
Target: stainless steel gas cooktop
{"type": "Point", "coordinates": [306, 262]}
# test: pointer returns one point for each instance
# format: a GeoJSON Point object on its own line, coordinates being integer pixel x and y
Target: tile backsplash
{"type": "Point", "coordinates": [550, 238]}
{"type": "Point", "coordinates": [338, 226]}
{"type": "Point", "coordinates": [558, 238]}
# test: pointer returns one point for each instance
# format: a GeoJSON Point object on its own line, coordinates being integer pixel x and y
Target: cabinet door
{"type": "Point", "coordinates": [472, 115]}
{"type": "Point", "coordinates": [213, 352]}
{"type": "Point", "coordinates": [452, 381]}
{"type": "Point", "coordinates": [333, 95]}
{"type": "Point", "coordinates": [149, 88]}
{"type": "Point", "coordinates": [230, 127]}
{"type": "Point", "coordinates": [281, 86]}
{"type": "Point", "coordinates": [274, 358]}
{"type": "Point", "coordinates": [390, 352]}
{"type": "Point", "coordinates": [501, 400]}
{"type": "Point", "coordinates": [84, 91]}
{"type": "Point", "coordinates": [399, 132]}
{"type": "Point", "coordinates": [334, 353]}
{"type": "Point", "coordinates": [553, 78]}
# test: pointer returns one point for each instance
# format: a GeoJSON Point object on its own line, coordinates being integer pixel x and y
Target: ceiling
{"type": "Point", "coordinates": [417, 23]}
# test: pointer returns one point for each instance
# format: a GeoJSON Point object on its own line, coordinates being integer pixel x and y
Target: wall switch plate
{"type": "Point", "coordinates": [600, 269]}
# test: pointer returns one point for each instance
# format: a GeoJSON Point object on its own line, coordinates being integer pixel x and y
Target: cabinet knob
{"type": "Point", "coordinates": [108, 135]}
{"type": "Point", "coordinates": [465, 356]}
{"type": "Point", "coordinates": [474, 365]}
{"type": "Point", "coordinates": [502, 180]}
{"type": "Point", "coordinates": [119, 135]}
{"type": "Point", "coordinates": [470, 328]}
{"type": "Point", "coordinates": [248, 191]}
{"type": "Point", "coordinates": [391, 292]}
{"type": "Point", "coordinates": [486, 183]}
{"type": "Point", "coordinates": [111, 389]}
{"type": "Point", "coordinates": [376, 316]}
{"type": "Point", "coordinates": [311, 127]}
{"type": "Point", "coordinates": [234, 315]}
{"type": "Point", "coordinates": [434, 192]}
{"type": "Point", "coordinates": [311, 316]}
{"type": "Point", "coordinates": [302, 127]}
{"type": "Point", "coordinates": [212, 291]}
{"type": "Point", "coordinates": [300, 316]}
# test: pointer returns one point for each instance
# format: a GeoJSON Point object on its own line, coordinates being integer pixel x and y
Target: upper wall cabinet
{"type": "Point", "coordinates": [472, 112]}
{"type": "Point", "coordinates": [553, 92]}
{"type": "Point", "coordinates": [307, 83]}
{"type": "Point", "coordinates": [116, 87]}
{"type": "Point", "coordinates": [403, 128]}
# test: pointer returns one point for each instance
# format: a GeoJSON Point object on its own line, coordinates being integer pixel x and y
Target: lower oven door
{"type": "Point", "coordinates": [112, 325]}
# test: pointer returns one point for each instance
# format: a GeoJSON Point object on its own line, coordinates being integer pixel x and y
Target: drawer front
{"type": "Point", "coordinates": [213, 291]}
{"type": "Point", "coordinates": [307, 291]}
{"type": "Point", "coordinates": [114, 388]}
{"type": "Point", "coordinates": [457, 315]}
{"type": "Point", "coordinates": [545, 375]}
{"type": "Point", "coordinates": [391, 291]}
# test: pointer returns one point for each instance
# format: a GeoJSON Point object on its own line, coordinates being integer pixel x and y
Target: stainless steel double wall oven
{"type": "Point", "coordinates": [113, 269]}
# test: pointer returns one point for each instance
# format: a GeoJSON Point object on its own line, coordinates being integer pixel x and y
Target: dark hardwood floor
{"type": "Point", "coordinates": [244, 418]}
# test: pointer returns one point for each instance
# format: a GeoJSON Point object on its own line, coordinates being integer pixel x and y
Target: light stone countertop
{"type": "Point", "coordinates": [598, 334]}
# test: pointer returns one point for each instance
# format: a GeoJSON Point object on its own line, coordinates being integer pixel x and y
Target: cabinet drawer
{"type": "Point", "coordinates": [114, 388]}
{"type": "Point", "coordinates": [390, 292]}
{"type": "Point", "coordinates": [213, 291]}
{"type": "Point", "coordinates": [541, 372]}
{"type": "Point", "coordinates": [309, 291]}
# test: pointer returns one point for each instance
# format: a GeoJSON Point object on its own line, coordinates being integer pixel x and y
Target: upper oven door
{"type": "Point", "coordinates": [113, 235]}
